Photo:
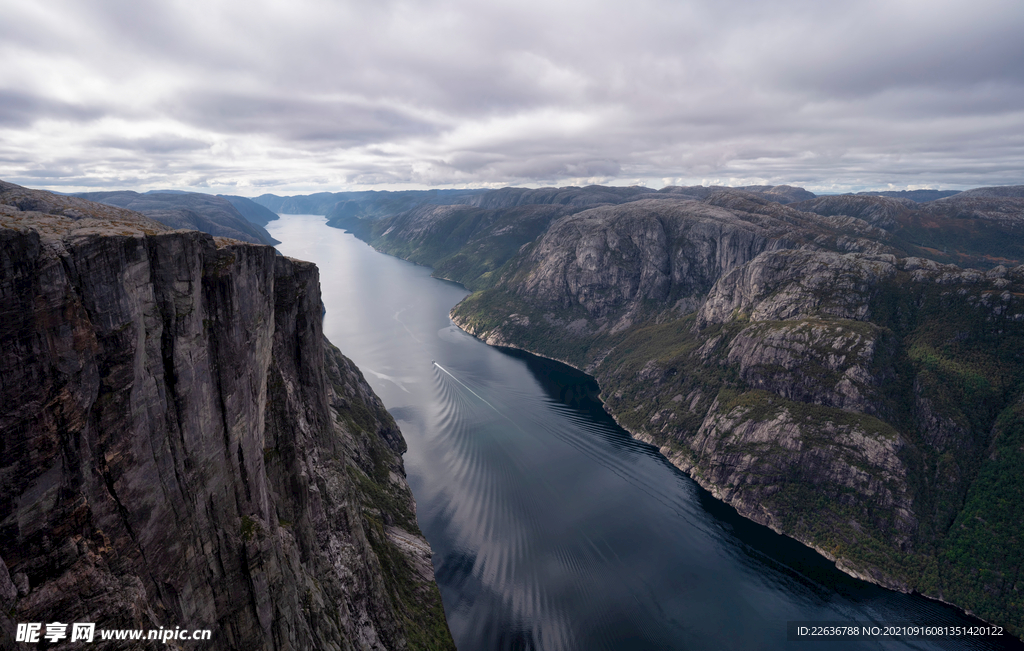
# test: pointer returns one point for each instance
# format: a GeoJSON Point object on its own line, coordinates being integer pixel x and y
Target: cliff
{"type": "Point", "coordinates": [182, 447]}
{"type": "Point", "coordinates": [863, 403]}
{"type": "Point", "coordinates": [810, 363]}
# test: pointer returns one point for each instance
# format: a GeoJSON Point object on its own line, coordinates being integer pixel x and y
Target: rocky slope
{"type": "Point", "coordinates": [463, 243]}
{"type": "Point", "coordinates": [782, 194]}
{"type": "Point", "coordinates": [470, 241]}
{"type": "Point", "coordinates": [363, 204]}
{"type": "Point", "coordinates": [180, 446]}
{"type": "Point", "coordinates": [853, 400]}
{"type": "Point", "coordinates": [806, 362]}
{"type": "Point", "coordinates": [251, 210]}
{"type": "Point", "coordinates": [189, 210]}
{"type": "Point", "coordinates": [978, 228]}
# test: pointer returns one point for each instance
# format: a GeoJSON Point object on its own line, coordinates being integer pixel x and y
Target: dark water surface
{"type": "Point", "coordinates": [551, 527]}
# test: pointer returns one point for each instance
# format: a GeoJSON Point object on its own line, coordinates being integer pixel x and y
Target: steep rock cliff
{"type": "Point", "coordinates": [858, 400]}
{"type": "Point", "coordinates": [182, 447]}
{"type": "Point", "coordinates": [603, 270]}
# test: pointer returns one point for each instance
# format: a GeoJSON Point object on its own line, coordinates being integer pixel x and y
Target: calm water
{"type": "Point", "coordinates": [551, 527]}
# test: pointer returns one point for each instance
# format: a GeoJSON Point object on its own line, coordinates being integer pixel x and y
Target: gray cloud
{"type": "Point", "coordinates": [20, 110]}
{"type": "Point", "coordinates": [316, 95]}
{"type": "Point", "coordinates": [333, 123]}
{"type": "Point", "coordinates": [154, 145]}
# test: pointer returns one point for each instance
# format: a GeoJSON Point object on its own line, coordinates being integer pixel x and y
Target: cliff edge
{"type": "Point", "coordinates": [181, 447]}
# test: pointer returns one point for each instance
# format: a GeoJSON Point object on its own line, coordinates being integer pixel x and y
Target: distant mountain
{"type": "Point", "coordinates": [965, 229]}
{"type": "Point", "coordinates": [364, 203]}
{"type": "Point", "coordinates": [1005, 191]}
{"type": "Point", "coordinates": [779, 193]}
{"type": "Point", "coordinates": [190, 210]}
{"type": "Point", "coordinates": [570, 197]}
{"type": "Point", "coordinates": [381, 204]}
{"type": "Point", "coordinates": [309, 204]}
{"type": "Point", "coordinates": [919, 196]}
{"type": "Point", "coordinates": [40, 202]}
{"type": "Point", "coordinates": [251, 210]}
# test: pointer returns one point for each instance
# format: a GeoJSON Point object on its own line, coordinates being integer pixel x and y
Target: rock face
{"type": "Point", "coordinates": [801, 366]}
{"type": "Point", "coordinates": [182, 447]}
{"type": "Point", "coordinates": [610, 260]}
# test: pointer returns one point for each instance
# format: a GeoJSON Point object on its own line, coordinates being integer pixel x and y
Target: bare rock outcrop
{"type": "Point", "coordinates": [792, 283]}
{"type": "Point", "coordinates": [182, 447]}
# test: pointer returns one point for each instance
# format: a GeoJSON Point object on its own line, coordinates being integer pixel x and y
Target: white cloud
{"type": "Point", "coordinates": [323, 95]}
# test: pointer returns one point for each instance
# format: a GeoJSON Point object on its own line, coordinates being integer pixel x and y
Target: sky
{"type": "Point", "coordinates": [256, 96]}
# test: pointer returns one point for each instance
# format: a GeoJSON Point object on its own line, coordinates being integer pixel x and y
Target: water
{"type": "Point", "coordinates": [551, 527]}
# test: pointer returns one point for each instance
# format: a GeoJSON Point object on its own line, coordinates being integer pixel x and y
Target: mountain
{"type": "Point", "coordinates": [1005, 191]}
{"type": "Point", "coordinates": [70, 210]}
{"type": "Point", "coordinates": [914, 195]}
{"type": "Point", "coordinates": [778, 193]}
{"type": "Point", "coordinates": [310, 204]}
{"type": "Point", "coordinates": [820, 364]}
{"type": "Point", "coordinates": [188, 210]}
{"type": "Point", "coordinates": [251, 210]}
{"type": "Point", "coordinates": [469, 242]}
{"type": "Point", "coordinates": [182, 447]}
{"type": "Point", "coordinates": [964, 229]}
{"type": "Point", "coordinates": [569, 197]}
{"type": "Point", "coordinates": [365, 203]}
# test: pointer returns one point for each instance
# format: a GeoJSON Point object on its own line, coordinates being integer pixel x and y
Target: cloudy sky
{"type": "Point", "coordinates": [254, 96]}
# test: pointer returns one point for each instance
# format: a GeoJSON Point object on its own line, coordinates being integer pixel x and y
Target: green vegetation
{"type": "Point", "coordinates": [380, 498]}
{"type": "Point", "coordinates": [249, 528]}
{"type": "Point", "coordinates": [545, 333]}
{"type": "Point", "coordinates": [415, 601]}
{"type": "Point", "coordinates": [417, 604]}
{"type": "Point", "coordinates": [964, 241]}
{"type": "Point", "coordinates": [462, 243]}
{"type": "Point", "coordinates": [761, 406]}
{"type": "Point", "coordinates": [981, 560]}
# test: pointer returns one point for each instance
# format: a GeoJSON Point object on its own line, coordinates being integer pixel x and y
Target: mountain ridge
{"type": "Point", "coordinates": [189, 210]}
